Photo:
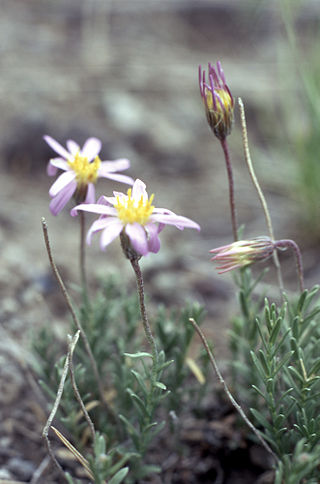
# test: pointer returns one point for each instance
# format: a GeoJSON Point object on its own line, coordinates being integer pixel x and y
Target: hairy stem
{"type": "Point", "coordinates": [83, 251]}
{"type": "Point", "coordinates": [234, 222]}
{"type": "Point", "coordinates": [146, 326]}
{"type": "Point", "coordinates": [258, 188]}
{"type": "Point", "coordinates": [76, 321]}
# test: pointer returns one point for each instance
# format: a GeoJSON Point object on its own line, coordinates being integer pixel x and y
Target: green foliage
{"type": "Point", "coordinates": [283, 365]}
{"type": "Point", "coordinates": [134, 387]}
{"type": "Point", "coordinates": [174, 333]}
{"type": "Point", "coordinates": [244, 336]}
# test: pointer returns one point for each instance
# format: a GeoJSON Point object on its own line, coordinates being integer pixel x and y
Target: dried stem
{"type": "Point", "coordinates": [80, 401]}
{"type": "Point", "coordinates": [226, 389]}
{"type": "Point", "coordinates": [40, 470]}
{"type": "Point", "coordinates": [225, 148]}
{"type": "Point", "coordinates": [285, 244]}
{"type": "Point", "coordinates": [76, 321]}
{"type": "Point", "coordinates": [258, 188]}
{"type": "Point", "coordinates": [72, 344]}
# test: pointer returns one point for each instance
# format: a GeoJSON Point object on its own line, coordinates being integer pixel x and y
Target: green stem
{"type": "Point", "coordinates": [258, 188]}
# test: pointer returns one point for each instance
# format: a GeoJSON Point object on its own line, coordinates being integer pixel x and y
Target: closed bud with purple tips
{"type": "Point", "coordinates": [242, 253]}
{"type": "Point", "coordinates": [217, 99]}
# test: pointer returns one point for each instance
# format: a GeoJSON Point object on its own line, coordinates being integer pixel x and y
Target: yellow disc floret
{"type": "Point", "coordinates": [225, 98]}
{"type": "Point", "coordinates": [219, 112]}
{"type": "Point", "coordinates": [131, 210]}
{"type": "Point", "coordinates": [86, 171]}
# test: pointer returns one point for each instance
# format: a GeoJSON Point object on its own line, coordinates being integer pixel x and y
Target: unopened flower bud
{"type": "Point", "coordinates": [217, 99]}
{"type": "Point", "coordinates": [242, 253]}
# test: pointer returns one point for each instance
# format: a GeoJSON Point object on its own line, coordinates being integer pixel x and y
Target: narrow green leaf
{"type": "Point", "coordinates": [275, 330]}
{"type": "Point", "coordinates": [279, 420]}
{"type": "Point", "coordinates": [119, 476]}
{"type": "Point", "coordinates": [270, 384]}
{"type": "Point", "coordinates": [261, 334]}
{"type": "Point", "coordinates": [157, 427]}
{"type": "Point", "coordinates": [258, 365]}
{"type": "Point", "coordinates": [259, 391]}
{"type": "Point", "coordinates": [140, 381]}
{"type": "Point", "coordinates": [243, 304]}
{"type": "Point", "coordinates": [130, 427]}
{"type": "Point", "coordinates": [261, 419]}
{"type": "Point", "coordinates": [315, 367]}
{"type": "Point", "coordinates": [99, 444]}
{"type": "Point", "coordinates": [284, 395]}
{"type": "Point", "coordinates": [138, 403]}
{"type": "Point", "coordinates": [264, 362]}
{"type": "Point", "coordinates": [302, 300]}
{"type": "Point", "coordinates": [164, 365]}
{"type": "Point", "coordinates": [160, 385]}
{"type": "Point", "coordinates": [295, 373]}
{"type": "Point", "coordinates": [140, 354]}
{"type": "Point", "coordinates": [279, 345]}
{"type": "Point", "coordinates": [283, 362]}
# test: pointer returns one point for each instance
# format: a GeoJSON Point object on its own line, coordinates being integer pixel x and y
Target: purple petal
{"type": "Point", "coordinates": [73, 147]}
{"type": "Point", "coordinates": [59, 163]}
{"type": "Point", "coordinates": [103, 200]}
{"type": "Point", "coordinates": [61, 182]}
{"type": "Point", "coordinates": [153, 239]}
{"type": "Point", "coordinates": [51, 170]}
{"type": "Point", "coordinates": [138, 238]}
{"type": "Point", "coordinates": [94, 208]}
{"type": "Point", "coordinates": [139, 190]}
{"type": "Point", "coordinates": [117, 177]}
{"type": "Point", "coordinates": [91, 148]}
{"type": "Point", "coordinates": [110, 233]}
{"type": "Point", "coordinates": [177, 220]}
{"type": "Point", "coordinates": [57, 147]}
{"type": "Point", "coordinates": [163, 211]}
{"type": "Point", "coordinates": [116, 165]}
{"type": "Point", "coordinates": [91, 194]}
{"type": "Point", "coordinates": [59, 201]}
{"type": "Point", "coordinates": [98, 225]}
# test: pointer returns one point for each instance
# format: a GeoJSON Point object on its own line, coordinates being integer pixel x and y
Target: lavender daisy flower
{"type": "Point", "coordinates": [81, 169]}
{"type": "Point", "coordinates": [218, 100]}
{"type": "Point", "coordinates": [242, 253]}
{"type": "Point", "coordinates": [134, 216]}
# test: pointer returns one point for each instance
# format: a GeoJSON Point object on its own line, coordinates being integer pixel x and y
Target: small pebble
{"type": "Point", "coordinates": [22, 469]}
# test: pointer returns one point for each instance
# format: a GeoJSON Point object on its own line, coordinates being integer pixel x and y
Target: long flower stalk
{"type": "Point", "coordinates": [76, 321]}
{"type": "Point", "coordinates": [224, 145]}
{"type": "Point", "coordinates": [259, 190]}
{"type": "Point", "coordinates": [82, 254]}
{"type": "Point", "coordinates": [218, 103]}
{"type": "Point", "coordinates": [146, 326]}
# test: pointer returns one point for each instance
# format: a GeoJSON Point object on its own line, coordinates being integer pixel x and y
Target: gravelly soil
{"type": "Point", "coordinates": [127, 73]}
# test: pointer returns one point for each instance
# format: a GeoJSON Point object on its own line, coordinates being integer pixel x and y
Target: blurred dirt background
{"type": "Point", "coordinates": [126, 72]}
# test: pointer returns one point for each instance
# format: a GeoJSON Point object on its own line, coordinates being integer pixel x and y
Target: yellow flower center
{"type": "Point", "coordinates": [131, 211]}
{"type": "Point", "coordinates": [86, 171]}
{"type": "Point", "coordinates": [225, 98]}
